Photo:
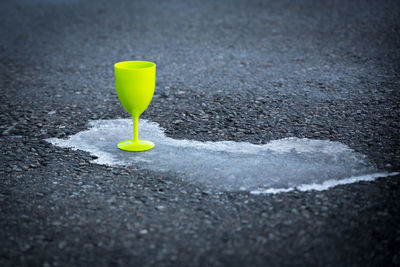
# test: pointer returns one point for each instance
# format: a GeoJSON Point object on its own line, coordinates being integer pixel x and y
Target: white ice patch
{"type": "Point", "coordinates": [278, 166]}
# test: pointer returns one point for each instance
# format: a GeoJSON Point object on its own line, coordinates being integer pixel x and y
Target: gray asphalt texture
{"type": "Point", "coordinates": [249, 71]}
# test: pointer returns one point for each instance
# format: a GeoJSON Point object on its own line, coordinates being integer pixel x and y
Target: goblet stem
{"type": "Point", "coordinates": [135, 128]}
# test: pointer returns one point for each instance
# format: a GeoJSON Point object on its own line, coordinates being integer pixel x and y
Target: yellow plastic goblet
{"type": "Point", "coordinates": [135, 82]}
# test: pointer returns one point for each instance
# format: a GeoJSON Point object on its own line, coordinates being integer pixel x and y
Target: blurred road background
{"type": "Point", "coordinates": [249, 71]}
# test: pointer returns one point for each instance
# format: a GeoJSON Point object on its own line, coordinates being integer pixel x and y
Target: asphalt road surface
{"type": "Point", "coordinates": [251, 71]}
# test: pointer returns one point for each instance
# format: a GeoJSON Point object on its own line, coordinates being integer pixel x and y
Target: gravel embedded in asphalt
{"type": "Point", "coordinates": [249, 71]}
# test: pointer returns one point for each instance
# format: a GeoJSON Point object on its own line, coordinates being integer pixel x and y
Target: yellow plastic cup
{"type": "Point", "coordinates": [135, 82]}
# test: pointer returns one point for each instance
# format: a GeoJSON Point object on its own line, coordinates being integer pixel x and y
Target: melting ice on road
{"type": "Point", "coordinates": [278, 166]}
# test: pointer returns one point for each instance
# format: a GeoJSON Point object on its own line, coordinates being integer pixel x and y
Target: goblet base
{"type": "Point", "coordinates": [140, 145]}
